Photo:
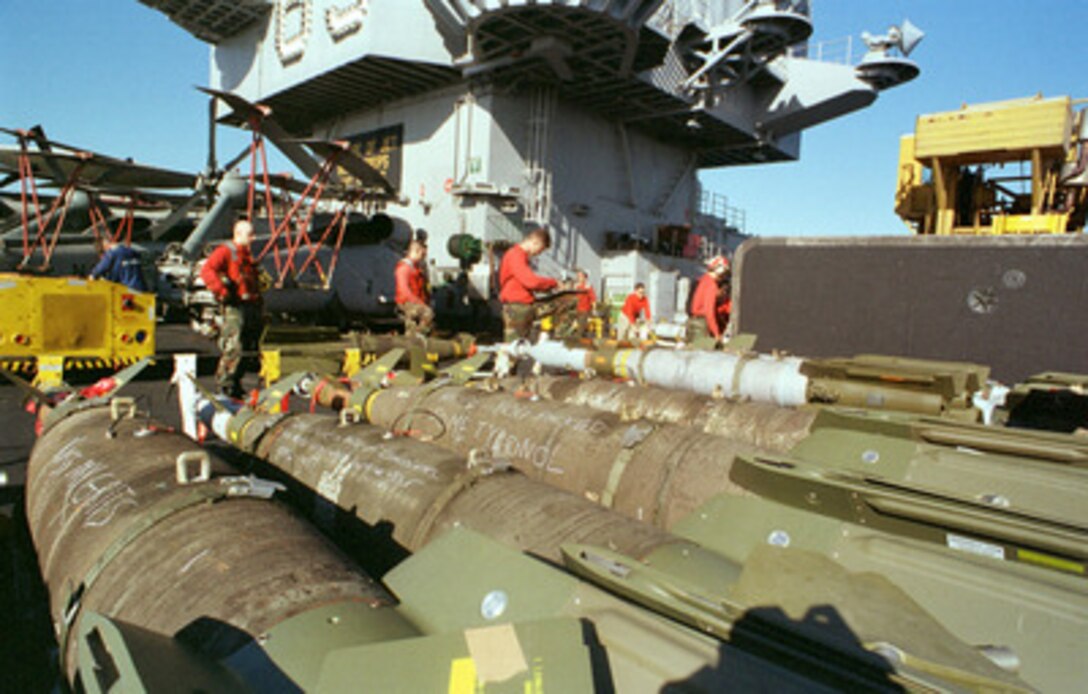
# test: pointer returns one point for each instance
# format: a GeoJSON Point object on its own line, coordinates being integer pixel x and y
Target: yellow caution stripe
{"type": "Point", "coordinates": [462, 676]}
{"type": "Point", "coordinates": [1051, 562]}
{"type": "Point", "coordinates": [74, 363]}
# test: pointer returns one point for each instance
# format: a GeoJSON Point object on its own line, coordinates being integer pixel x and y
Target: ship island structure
{"type": "Point", "coordinates": [592, 118]}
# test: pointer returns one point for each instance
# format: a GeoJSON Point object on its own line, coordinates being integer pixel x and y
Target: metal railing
{"type": "Point", "coordinates": [842, 51]}
{"type": "Point", "coordinates": [716, 206]}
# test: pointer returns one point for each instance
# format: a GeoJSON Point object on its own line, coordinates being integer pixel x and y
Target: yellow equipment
{"type": "Point", "coordinates": [64, 323]}
{"type": "Point", "coordinates": [1011, 167]}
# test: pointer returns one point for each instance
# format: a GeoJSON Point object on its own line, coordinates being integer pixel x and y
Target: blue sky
{"type": "Point", "coordinates": [974, 51]}
{"type": "Point", "coordinates": [117, 77]}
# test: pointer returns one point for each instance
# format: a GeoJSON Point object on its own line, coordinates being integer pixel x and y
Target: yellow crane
{"type": "Point", "coordinates": [1009, 167]}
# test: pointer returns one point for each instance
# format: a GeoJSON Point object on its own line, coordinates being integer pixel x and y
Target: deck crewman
{"type": "Point", "coordinates": [120, 264]}
{"type": "Point", "coordinates": [587, 301]}
{"type": "Point", "coordinates": [412, 297]}
{"type": "Point", "coordinates": [633, 308]}
{"type": "Point", "coordinates": [707, 301]}
{"type": "Point", "coordinates": [231, 275]}
{"type": "Point", "coordinates": [518, 281]}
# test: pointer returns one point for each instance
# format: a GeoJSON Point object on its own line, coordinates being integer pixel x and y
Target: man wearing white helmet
{"type": "Point", "coordinates": [703, 318]}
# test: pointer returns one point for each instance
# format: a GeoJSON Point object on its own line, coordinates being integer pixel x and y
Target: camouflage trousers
{"type": "Point", "coordinates": [518, 319]}
{"type": "Point", "coordinates": [240, 333]}
{"type": "Point", "coordinates": [579, 324]}
{"type": "Point", "coordinates": [418, 318]}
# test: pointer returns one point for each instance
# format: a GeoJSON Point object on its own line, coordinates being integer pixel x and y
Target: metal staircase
{"type": "Point", "coordinates": [538, 168]}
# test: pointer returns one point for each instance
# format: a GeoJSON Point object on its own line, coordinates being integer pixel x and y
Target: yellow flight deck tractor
{"type": "Point", "coordinates": [1010, 167]}
{"type": "Point", "coordinates": [53, 324]}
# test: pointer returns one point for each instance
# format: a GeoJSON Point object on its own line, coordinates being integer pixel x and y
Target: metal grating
{"type": "Point", "coordinates": [631, 12]}
{"type": "Point", "coordinates": [666, 117]}
{"type": "Point", "coordinates": [211, 20]}
{"type": "Point", "coordinates": [619, 71]}
{"type": "Point", "coordinates": [596, 41]}
{"type": "Point", "coordinates": [364, 83]}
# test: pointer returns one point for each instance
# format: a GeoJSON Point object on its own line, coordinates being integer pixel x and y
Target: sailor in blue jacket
{"type": "Point", "coordinates": [121, 264]}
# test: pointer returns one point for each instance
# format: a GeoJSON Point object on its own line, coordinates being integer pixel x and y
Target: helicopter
{"type": "Point", "coordinates": [326, 245]}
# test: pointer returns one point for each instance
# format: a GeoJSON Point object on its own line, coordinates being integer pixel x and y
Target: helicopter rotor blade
{"type": "Point", "coordinates": [237, 159]}
{"type": "Point", "coordinates": [260, 116]}
{"type": "Point", "coordinates": [159, 228]}
{"type": "Point", "coordinates": [37, 133]}
{"type": "Point", "coordinates": [356, 166]}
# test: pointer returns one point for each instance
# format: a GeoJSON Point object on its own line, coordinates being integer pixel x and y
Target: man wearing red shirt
{"type": "Point", "coordinates": [636, 304]}
{"type": "Point", "coordinates": [231, 276]}
{"type": "Point", "coordinates": [413, 300]}
{"type": "Point", "coordinates": [587, 299]}
{"type": "Point", "coordinates": [517, 282]}
{"type": "Point", "coordinates": [708, 301]}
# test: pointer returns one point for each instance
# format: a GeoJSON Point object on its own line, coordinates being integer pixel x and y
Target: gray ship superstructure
{"type": "Point", "coordinates": [592, 117]}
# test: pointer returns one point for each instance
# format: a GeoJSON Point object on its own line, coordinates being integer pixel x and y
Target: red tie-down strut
{"type": "Point", "coordinates": [45, 232]}
{"type": "Point", "coordinates": [292, 231]}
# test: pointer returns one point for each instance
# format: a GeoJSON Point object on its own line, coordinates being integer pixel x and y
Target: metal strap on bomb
{"type": "Point", "coordinates": [672, 463]}
{"type": "Point", "coordinates": [360, 400]}
{"type": "Point", "coordinates": [162, 511]}
{"type": "Point", "coordinates": [640, 375]}
{"type": "Point", "coordinates": [245, 418]}
{"type": "Point", "coordinates": [738, 368]}
{"type": "Point", "coordinates": [367, 382]}
{"type": "Point", "coordinates": [632, 437]}
{"type": "Point", "coordinates": [479, 465]}
{"type": "Point", "coordinates": [643, 356]}
{"type": "Point", "coordinates": [620, 362]}
{"type": "Point", "coordinates": [233, 487]}
{"type": "Point", "coordinates": [615, 474]}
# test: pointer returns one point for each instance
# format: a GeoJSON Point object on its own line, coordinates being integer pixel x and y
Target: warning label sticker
{"type": "Point", "coordinates": [966, 544]}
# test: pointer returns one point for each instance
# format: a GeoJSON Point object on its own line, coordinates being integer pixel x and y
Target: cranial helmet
{"type": "Point", "coordinates": [718, 264]}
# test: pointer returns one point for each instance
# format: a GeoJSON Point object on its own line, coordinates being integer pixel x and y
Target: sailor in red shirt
{"type": "Point", "coordinates": [587, 299]}
{"type": "Point", "coordinates": [706, 303]}
{"type": "Point", "coordinates": [517, 282]}
{"type": "Point", "coordinates": [231, 275]}
{"type": "Point", "coordinates": [413, 299]}
{"type": "Point", "coordinates": [636, 304]}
